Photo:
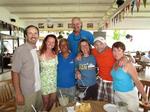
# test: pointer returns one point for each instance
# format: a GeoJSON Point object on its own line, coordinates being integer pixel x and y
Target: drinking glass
{"type": "Point", "coordinates": [63, 100]}
{"type": "Point", "coordinates": [122, 107]}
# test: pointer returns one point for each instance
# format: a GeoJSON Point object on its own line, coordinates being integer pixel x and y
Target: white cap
{"type": "Point", "coordinates": [101, 39]}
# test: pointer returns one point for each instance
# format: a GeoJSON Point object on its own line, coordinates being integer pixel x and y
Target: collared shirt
{"type": "Point", "coordinates": [75, 39]}
{"type": "Point", "coordinates": [23, 64]}
{"type": "Point", "coordinates": [66, 79]}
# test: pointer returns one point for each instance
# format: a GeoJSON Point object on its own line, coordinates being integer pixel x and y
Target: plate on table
{"type": "Point", "coordinates": [110, 107]}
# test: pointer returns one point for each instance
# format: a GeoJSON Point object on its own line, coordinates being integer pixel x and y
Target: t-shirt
{"type": "Point", "coordinates": [86, 66]}
{"type": "Point", "coordinates": [105, 61]}
{"type": "Point", "coordinates": [74, 40]}
{"type": "Point", "coordinates": [66, 71]}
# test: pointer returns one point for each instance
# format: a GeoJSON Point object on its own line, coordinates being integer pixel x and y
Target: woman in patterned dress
{"type": "Point", "coordinates": [48, 71]}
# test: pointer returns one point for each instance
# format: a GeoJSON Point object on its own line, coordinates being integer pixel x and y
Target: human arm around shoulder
{"type": "Point", "coordinates": [78, 75]}
{"type": "Point", "coordinates": [79, 56]}
{"type": "Point", "coordinates": [123, 61]}
{"type": "Point", "coordinates": [132, 71]}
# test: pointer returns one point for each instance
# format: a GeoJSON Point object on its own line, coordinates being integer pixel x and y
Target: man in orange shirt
{"type": "Point", "coordinates": [105, 60]}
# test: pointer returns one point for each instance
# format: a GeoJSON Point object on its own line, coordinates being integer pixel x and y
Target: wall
{"type": "Point", "coordinates": [57, 25]}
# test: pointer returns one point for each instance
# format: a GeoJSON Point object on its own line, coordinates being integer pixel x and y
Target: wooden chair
{"type": "Point", "coordinates": [146, 85]}
{"type": "Point", "coordinates": [7, 99]}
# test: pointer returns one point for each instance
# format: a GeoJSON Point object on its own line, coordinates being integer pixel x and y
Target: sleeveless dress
{"type": "Point", "coordinates": [48, 74]}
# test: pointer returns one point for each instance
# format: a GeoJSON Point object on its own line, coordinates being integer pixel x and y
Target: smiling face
{"type": "Point", "coordinates": [64, 47]}
{"type": "Point", "coordinates": [118, 49]}
{"type": "Point", "coordinates": [85, 48]}
{"type": "Point", "coordinates": [76, 25]}
{"type": "Point", "coordinates": [99, 46]}
{"type": "Point", "coordinates": [32, 35]}
{"type": "Point", "coordinates": [50, 43]}
{"type": "Point", "coordinates": [118, 53]}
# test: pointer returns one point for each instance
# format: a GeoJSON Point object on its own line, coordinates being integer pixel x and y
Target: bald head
{"type": "Point", "coordinates": [76, 24]}
{"type": "Point", "coordinates": [76, 18]}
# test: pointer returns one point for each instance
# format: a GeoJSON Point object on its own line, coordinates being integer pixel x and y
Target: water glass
{"type": "Point", "coordinates": [122, 107]}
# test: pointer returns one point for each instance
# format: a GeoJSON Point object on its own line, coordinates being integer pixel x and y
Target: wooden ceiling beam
{"type": "Point", "coordinates": [53, 4]}
{"type": "Point", "coordinates": [54, 12]}
{"type": "Point", "coordinates": [95, 17]}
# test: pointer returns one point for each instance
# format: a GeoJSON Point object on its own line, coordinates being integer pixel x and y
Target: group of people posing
{"type": "Point", "coordinates": [80, 59]}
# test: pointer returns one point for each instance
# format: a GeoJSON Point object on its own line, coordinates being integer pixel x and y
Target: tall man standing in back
{"type": "Point", "coordinates": [77, 35]}
{"type": "Point", "coordinates": [25, 72]}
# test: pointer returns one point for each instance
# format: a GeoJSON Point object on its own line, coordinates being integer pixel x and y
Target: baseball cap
{"type": "Point", "coordinates": [101, 39]}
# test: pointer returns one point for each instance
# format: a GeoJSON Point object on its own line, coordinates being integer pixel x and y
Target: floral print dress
{"type": "Point", "coordinates": [48, 74]}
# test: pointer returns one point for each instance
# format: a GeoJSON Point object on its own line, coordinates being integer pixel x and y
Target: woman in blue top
{"type": "Point", "coordinates": [124, 79]}
{"type": "Point", "coordinates": [86, 70]}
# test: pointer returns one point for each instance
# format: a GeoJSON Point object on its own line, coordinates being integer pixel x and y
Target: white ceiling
{"type": "Point", "coordinates": [57, 9]}
{"type": "Point", "coordinates": [64, 10]}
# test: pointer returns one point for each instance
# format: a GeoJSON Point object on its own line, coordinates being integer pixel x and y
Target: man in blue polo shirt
{"type": "Point", "coordinates": [66, 69]}
{"type": "Point", "coordinates": [78, 34]}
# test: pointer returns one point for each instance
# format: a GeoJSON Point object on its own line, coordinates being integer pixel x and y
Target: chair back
{"type": "Point", "coordinates": [146, 84]}
{"type": "Point", "coordinates": [5, 91]}
{"type": "Point", "coordinates": [7, 99]}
